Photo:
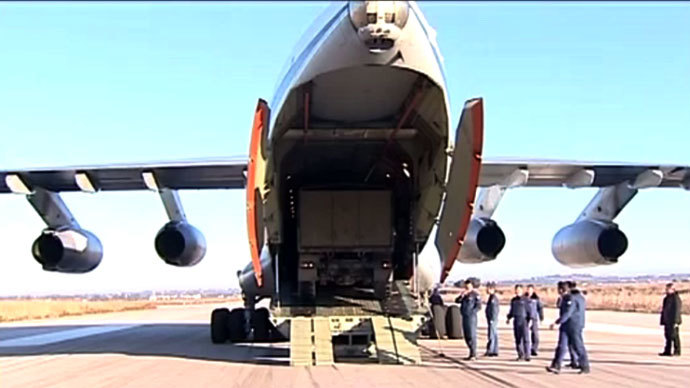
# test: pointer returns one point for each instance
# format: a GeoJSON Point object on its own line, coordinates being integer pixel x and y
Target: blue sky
{"type": "Point", "coordinates": [96, 83]}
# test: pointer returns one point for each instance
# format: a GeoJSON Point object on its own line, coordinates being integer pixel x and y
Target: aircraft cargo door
{"type": "Point", "coordinates": [462, 183]}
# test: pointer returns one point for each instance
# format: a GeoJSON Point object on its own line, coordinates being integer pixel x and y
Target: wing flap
{"type": "Point", "coordinates": [192, 174]}
{"type": "Point", "coordinates": [557, 173]}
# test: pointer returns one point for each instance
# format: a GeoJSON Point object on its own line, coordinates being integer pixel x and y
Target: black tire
{"type": "Point", "coordinates": [454, 322]}
{"type": "Point", "coordinates": [261, 325]}
{"type": "Point", "coordinates": [237, 330]}
{"type": "Point", "coordinates": [438, 321]}
{"type": "Point", "coordinates": [219, 325]}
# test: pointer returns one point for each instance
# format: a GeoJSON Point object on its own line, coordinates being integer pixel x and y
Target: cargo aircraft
{"type": "Point", "coordinates": [350, 168]}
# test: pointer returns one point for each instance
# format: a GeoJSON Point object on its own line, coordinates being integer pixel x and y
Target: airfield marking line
{"type": "Point", "coordinates": [61, 335]}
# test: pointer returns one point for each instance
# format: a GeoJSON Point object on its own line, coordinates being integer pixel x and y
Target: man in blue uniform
{"type": "Point", "coordinates": [470, 304]}
{"type": "Point", "coordinates": [520, 314]}
{"type": "Point", "coordinates": [537, 313]}
{"type": "Point", "coordinates": [572, 322]}
{"type": "Point", "coordinates": [566, 345]}
{"type": "Point", "coordinates": [491, 311]}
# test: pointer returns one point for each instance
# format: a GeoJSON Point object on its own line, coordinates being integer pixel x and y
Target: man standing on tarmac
{"type": "Point", "coordinates": [671, 320]}
{"type": "Point", "coordinates": [492, 321]}
{"type": "Point", "coordinates": [537, 313]}
{"type": "Point", "coordinates": [520, 314]}
{"type": "Point", "coordinates": [572, 321]}
{"type": "Point", "coordinates": [470, 304]}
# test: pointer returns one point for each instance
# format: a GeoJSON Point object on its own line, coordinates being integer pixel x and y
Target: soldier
{"type": "Point", "coordinates": [470, 305]}
{"type": "Point", "coordinates": [572, 321]}
{"type": "Point", "coordinates": [671, 320]}
{"type": "Point", "coordinates": [435, 299]}
{"type": "Point", "coordinates": [520, 314]}
{"type": "Point", "coordinates": [537, 313]}
{"type": "Point", "coordinates": [492, 307]}
{"type": "Point", "coordinates": [573, 356]}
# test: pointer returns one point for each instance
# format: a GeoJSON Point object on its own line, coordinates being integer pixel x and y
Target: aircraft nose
{"type": "Point", "coordinates": [378, 23]}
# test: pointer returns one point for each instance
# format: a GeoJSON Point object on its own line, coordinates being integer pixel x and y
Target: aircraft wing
{"type": "Point", "coordinates": [226, 173]}
{"type": "Point", "coordinates": [563, 173]}
{"type": "Point", "coordinates": [229, 173]}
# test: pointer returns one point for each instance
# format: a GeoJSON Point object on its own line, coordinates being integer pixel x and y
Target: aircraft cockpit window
{"type": "Point", "coordinates": [371, 17]}
{"type": "Point", "coordinates": [390, 17]}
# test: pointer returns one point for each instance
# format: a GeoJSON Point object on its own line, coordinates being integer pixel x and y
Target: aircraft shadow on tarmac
{"type": "Point", "coordinates": [190, 341]}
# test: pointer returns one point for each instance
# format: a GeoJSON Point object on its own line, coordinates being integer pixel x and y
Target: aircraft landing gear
{"type": "Point", "coordinates": [234, 326]}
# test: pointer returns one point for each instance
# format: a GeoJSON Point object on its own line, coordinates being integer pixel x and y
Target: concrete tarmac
{"type": "Point", "coordinates": [170, 347]}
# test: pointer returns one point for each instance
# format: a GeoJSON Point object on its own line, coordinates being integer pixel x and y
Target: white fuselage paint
{"type": "Point", "coordinates": [330, 45]}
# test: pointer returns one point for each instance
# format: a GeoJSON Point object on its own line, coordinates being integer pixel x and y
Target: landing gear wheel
{"type": "Point", "coordinates": [307, 291]}
{"type": "Point", "coordinates": [438, 321]}
{"type": "Point", "coordinates": [219, 325]}
{"type": "Point", "coordinates": [454, 322]}
{"type": "Point", "coordinates": [237, 326]}
{"type": "Point", "coordinates": [261, 325]}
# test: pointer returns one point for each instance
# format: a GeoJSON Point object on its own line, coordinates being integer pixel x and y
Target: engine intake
{"type": "Point", "coordinates": [483, 242]}
{"type": "Point", "coordinates": [180, 244]}
{"type": "Point", "coordinates": [589, 243]}
{"type": "Point", "coordinates": [68, 250]}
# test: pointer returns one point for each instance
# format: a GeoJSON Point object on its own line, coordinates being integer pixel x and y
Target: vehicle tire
{"type": "Point", "coordinates": [438, 320]}
{"type": "Point", "coordinates": [261, 325]}
{"type": "Point", "coordinates": [454, 322]}
{"type": "Point", "coordinates": [237, 330]}
{"type": "Point", "coordinates": [219, 325]}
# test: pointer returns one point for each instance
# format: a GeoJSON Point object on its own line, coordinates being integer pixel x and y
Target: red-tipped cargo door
{"type": "Point", "coordinates": [256, 172]}
{"type": "Point", "coordinates": [462, 184]}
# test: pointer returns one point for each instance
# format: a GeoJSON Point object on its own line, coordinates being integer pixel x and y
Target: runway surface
{"type": "Point", "coordinates": [170, 347]}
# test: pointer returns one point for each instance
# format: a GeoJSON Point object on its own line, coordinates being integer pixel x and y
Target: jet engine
{"type": "Point", "coordinates": [589, 243]}
{"type": "Point", "coordinates": [180, 244]}
{"type": "Point", "coordinates": [247, 277]}
{"type": "Point", "coordinates": [483, 242]}
{"type": "Point", "coordinates": [67, 250]}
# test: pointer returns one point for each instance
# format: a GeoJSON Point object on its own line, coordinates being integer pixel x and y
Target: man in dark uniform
{"type": "Point", "coordinates": [520, 314]}
{"type": "Point", "coordinates": [572, 322]}
{"type": "Point", "coordinates": [537, 313]}
{"type": "Point", "coordinates": [671, 320]}
{"type": "Point", "coordinates": [565, 345]}
{"type": "Point", "coordinates": [435, 299]}
{"type": "Point", "coordinates": [470, 304]}
{"type": "Point", "coordinates": [492, 307]}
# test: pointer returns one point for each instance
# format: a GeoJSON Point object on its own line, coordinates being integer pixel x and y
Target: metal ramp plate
{"type": "Point", "coordinates": [300, 342]}
{"type": "Point", "coordinates": [323, 342]}
{"type": "Point", "coordinates": [396, 341]}
{"type": "Point", "coordinates": [310, 342]}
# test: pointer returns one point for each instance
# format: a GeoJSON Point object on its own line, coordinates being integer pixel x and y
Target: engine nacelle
{"type": "Point", "coordinates": [589, 243]}
{"type": "Point", "coordinates": [67, 250]}
{"type": "Point", "coordinates": [247, 279]}
{"type": "Point", "coordinates": [483, 242]}
{"type": "Point", "coordinates": [180, 244]}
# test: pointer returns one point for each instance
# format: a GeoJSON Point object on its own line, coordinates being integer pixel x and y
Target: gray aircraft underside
{"type": "Point", "coordinates": [354, 80]}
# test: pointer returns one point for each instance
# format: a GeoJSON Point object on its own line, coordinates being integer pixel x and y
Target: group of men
{"type": "Point", "coordinates": [527, 312]}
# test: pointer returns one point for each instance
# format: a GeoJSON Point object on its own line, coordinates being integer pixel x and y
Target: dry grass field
{"type": "Point", "coordinates": [23, 309]}
{"type": "Point", "coordinates": [615, 297]}
{"type": "Point", "coordinates": [644, 298]}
